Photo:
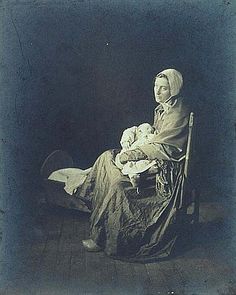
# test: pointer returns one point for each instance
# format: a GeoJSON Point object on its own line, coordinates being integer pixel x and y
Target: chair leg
{"type": "Point", "coordinates": [195, 197]}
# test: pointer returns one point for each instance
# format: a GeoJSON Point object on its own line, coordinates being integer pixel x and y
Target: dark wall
{"type": "Point", "coordinates": [74, 74]}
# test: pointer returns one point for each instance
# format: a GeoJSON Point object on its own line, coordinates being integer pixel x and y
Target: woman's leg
{"type": "Point", "coordinates": [102, 181]}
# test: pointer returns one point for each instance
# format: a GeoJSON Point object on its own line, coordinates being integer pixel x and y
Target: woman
{"type": "Point", "coordinates": [141, 225]}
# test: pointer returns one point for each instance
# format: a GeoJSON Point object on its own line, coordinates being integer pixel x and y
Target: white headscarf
{"type": "Point", "coordinates": [175, 80]}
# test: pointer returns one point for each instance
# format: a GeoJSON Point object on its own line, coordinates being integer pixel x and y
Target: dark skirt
{"type": "Point", "coordinates": [132, 224]}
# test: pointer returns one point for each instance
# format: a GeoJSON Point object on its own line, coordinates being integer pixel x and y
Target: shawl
{"type": "Point", "coordinates": [172, 132]}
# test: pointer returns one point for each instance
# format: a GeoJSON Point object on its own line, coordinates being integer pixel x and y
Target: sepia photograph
{"type": "Point", "coordinates": [118, 147]}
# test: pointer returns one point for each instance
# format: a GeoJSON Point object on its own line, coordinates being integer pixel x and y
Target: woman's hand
{"type": "Point", "coordinates": [133, 155]}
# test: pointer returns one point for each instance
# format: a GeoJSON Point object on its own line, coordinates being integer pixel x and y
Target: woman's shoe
{"type": "Point", "coordinates": [91, 246]}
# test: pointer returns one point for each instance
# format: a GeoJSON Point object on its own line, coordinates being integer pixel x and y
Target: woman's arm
{"type": "Point", "coordinates": [160, 151]}
{"type": "Point", "coordinates": [132, 155]}
{"type": "Point", "coordinates": [168, 144]}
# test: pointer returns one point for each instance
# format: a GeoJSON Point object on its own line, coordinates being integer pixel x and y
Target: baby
{"type": "Point", "coordinates": [133, 138]}
{"type": "Point", "coordinates": [144, 134]}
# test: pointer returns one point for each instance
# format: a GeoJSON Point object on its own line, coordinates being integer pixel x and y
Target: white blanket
{"type": "Point", "coordinates": [72, 177]}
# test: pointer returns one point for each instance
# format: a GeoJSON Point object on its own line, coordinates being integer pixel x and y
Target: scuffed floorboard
{"type": "Point", "coordinates": [54, 261]}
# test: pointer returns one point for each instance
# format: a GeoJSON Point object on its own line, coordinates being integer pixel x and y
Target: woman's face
{"type": "Point", "coordinates": [161, 89]}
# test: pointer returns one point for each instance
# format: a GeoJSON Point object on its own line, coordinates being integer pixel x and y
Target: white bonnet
{"type": "Point", "coordinates": [174, 78]}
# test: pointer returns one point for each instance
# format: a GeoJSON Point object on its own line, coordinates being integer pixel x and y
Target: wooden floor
{"type": "Point", "coordinates": [52, 261]}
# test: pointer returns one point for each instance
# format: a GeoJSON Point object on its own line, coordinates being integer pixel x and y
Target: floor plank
{"type": "Point", "coordinates": [43, 279]}
{"type": "Point", "coordinates": [78, 279]}
{"type": "Point", "coordinates": [56, 263]}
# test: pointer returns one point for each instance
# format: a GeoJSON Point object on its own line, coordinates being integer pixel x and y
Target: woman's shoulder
{"type": "Point", "coordinates": [180, 108]}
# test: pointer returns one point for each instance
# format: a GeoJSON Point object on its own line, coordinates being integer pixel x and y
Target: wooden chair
{"type": "Point", "coordinates": [190, 196]}
{"type": "Point", "coordinates": [188, 204]}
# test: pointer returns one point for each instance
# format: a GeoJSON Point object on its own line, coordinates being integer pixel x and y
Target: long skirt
{"type": "Point", "coordinates": [129, 223]}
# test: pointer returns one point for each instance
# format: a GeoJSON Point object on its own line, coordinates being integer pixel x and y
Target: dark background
{"type": "Point", "coordinates": [74, 74]}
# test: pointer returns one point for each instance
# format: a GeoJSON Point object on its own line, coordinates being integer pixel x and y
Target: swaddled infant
{"type": "Point", "coordinates": [133, 138]}
{"type": "Point", "coordinates": [144, 135]}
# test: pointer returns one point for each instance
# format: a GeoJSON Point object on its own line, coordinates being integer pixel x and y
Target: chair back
{"type": "Point", "coordinates": [189, 149]}
{"type": "Point", "coordinates": [186, 182]}
{"type": "Point", "coordinates": [189, 192]}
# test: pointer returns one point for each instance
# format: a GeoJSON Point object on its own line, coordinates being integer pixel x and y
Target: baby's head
{"type": "Point", "coordinates": [144, 130]}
